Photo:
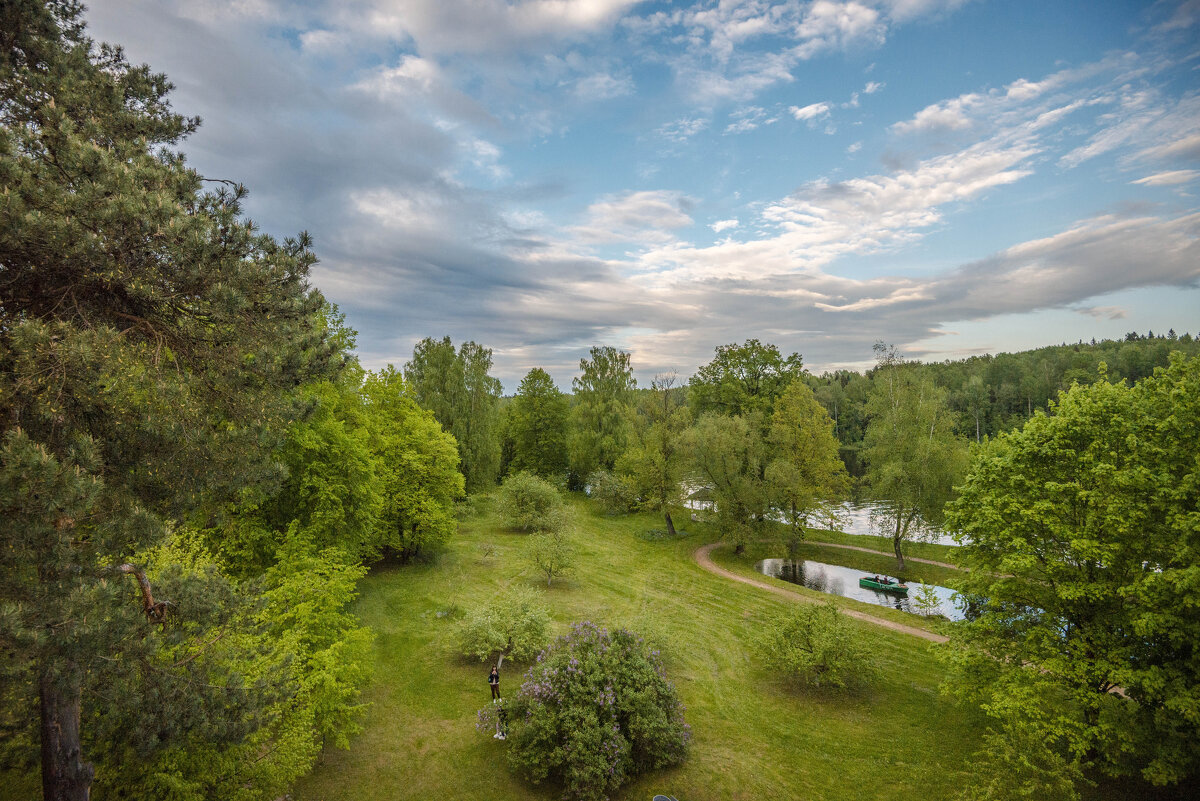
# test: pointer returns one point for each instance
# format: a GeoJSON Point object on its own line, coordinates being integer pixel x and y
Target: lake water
{"type": "Point", "coordinates": [843, 581]}
{"type": "Point", "coordinates": [855, 518]}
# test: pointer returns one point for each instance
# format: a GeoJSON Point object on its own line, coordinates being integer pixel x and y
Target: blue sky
{"type": "Point", "coordinates": [540, 176]}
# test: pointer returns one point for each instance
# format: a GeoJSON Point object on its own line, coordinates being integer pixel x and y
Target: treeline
{"type": "Point", "coordinates": [995, 393]}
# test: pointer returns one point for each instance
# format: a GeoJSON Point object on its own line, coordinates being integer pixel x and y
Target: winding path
{"type": "Point", "coordinates": [705, 561]}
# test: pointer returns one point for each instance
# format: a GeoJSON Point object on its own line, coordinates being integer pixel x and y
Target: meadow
{"type": "Point", "coordinates": [755, 736]}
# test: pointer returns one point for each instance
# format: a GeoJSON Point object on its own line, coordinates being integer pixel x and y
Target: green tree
{"type": "Point", "coordinates": [814, 645]}
{"type": "Point", "coordinates": [418, 468]}
{"type": "Point", "coordinates": [728, 455]}
{"type": "Point", "coordinates": [528, 503]}
{"type": "Point", "coordinates": [805, 474]}
{"type": "Point", "coordinates": [743, 379]}
{"type": "Point", "coordinates": [657, 456]}
{"type": "Point", "coordinates": [514, 623]}
{"type": "Point", "coordinates": [464, 398]}
{"type": "Point", "coordinates": [149, 340]}
{"type": "Point", "coordinates": [913, 456]}
{"type": "Point", "coordinates": [599, 418]}
{"type": "Point", "coordinates": [552, 553]}
{"type": "Point", "coordinates": [537, 424]}
{"type": "Point", "coordinates": [1080, 531]}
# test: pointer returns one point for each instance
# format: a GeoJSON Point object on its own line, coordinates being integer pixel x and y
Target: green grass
{"type": "Point", "coordinates": [754, 736]}
{"type": "Point", "coordinates": [924, 550]}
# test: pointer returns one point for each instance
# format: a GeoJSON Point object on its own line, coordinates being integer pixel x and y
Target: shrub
{"type": "Point", "coordinates": [815, 646]}
{"type": "Point", "coordinates": [528, 503]}
{"type": "Point", "coordinates": [594, 711]}
{"type": "Point", "coordinates": [514, 623]}
{"type": "Point", "coordinates": [615, 493]}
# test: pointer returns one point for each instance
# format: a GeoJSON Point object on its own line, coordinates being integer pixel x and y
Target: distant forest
{"type": "Point", "coordinates": [994, 393]}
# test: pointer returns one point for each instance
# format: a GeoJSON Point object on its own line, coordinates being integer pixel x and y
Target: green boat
{"type": "Point", "coordinates": [883, 584]}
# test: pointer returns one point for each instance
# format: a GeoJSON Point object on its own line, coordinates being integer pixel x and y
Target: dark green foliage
{"type": "Point", "coordinates": [1019, 762]}
{"type": "Point", "coordinates": [537, 426]}
{"type": "Point", "coordinates": [815, 646]}
{"type": "Point", "coordinates": [614, 492]}
{"type": "Point", "coordinates": [456, 387]}
{"type": "Point", "coordinates": [743, 379]}
{"type": "Point", "coordinates": [151, 342]}
{"type": "Point", "coordinates": [528, 503]}
{"type": "Point", "coordinates": [595, 710]}
{"type": "Point", "coordinates": [599, 419]}
{"type": "Point", "coordinates": [1085, 561]}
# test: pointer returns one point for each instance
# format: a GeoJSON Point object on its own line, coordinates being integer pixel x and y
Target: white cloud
{"type": "Point", "coordinates": [723, 225]}
{"type": "Point", "coordinates": [748, 119]}
{"type": "Point", "coordinates": [953, 114]}
{"type": "Point", "coordinates": [682, 130]}
{"type": "Point", "coordinates": [646, 216]}
{"type": "Point", "coordinates": [811, 112]}
{"type": "Point", "coordinates": [481, 26]}
{"type": "Point", "coordinates": [854, 147]}
{"type": "Point", "coordinates": [823, 221]}
{"type": "Point", "coordinates": [602, 86]}
{"type": "Point", "coordinates": [1169, 178]}
{"type": "Point", "coordinates": [872, 87]}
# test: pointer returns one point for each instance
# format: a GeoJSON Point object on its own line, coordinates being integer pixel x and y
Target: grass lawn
{"type": "Point", "coordinates": [754, 736]}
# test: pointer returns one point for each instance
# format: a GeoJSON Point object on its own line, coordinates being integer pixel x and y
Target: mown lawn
{"type": "Point", "coordinates": [754, 736]}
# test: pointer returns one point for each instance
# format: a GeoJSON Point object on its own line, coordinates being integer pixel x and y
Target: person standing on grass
{"type": "Point", "coordinates": [494, 681]}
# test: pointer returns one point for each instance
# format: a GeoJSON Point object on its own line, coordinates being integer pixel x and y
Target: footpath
{"type": "Point", "coordinates": [704, 559]}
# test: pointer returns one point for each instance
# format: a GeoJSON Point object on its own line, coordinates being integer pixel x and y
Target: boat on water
{"type": "Point", "coordinates": [883, 584]}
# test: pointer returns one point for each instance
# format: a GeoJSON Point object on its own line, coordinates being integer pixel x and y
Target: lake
{"type": "Point", "coordinates": [843, 581]}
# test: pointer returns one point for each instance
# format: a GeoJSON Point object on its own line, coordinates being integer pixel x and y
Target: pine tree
{"type": "Point", "coordinates": [149, 343]}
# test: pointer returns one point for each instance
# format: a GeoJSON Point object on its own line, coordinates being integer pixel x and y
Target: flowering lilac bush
{"type": "Point", "coordinates": [594, 710]}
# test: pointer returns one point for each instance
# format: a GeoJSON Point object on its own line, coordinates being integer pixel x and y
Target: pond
{"type": "Point", "coordinates": [843, 581]}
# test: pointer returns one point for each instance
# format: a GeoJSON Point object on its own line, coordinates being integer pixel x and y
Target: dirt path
{"type": "Point", "coordinates": [881, 553]}
{"type": "Point", "coordinates": [705, 561]}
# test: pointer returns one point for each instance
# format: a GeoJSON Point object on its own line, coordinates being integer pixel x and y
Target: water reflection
{"type": "Point", "coordinates": [843, 581]}
{"type": "Point", "coordinates": [855, 518]}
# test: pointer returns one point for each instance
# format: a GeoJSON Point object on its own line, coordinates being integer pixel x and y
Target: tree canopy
{"type": "Point", "coordinates": [913, 455]}
{"type": "Point", "coordinates": [537, 425]}
{"type": "Point", "coordinates": [1081, 532]}
{"type": "Point", "coordinates": [742, 379]}
{"type": "Point", "coordinates": [150, 340]}
{"type": "Point", "coordinates": [599, 427]}
{"type": "Point", "coordinates": [464, 398]}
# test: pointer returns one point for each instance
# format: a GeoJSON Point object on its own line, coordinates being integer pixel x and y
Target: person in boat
{"type": "Point", "coordinates": [494, 682]}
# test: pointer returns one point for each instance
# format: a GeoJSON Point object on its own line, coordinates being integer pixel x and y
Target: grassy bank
{"type": "Point", "coordinates": [754, 736]}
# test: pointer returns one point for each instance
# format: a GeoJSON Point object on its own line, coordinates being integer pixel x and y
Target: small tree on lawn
{"type": "Point", "coordinates": [528, 503]}
{"type": "Point", "coordinates": [515, 623]}
{"type": "Point", "coordinates": [593, 712]}
{"type": "Point", "coordinates": [815, 646]}
{"type": "Point", "coordinates": [552, 554]}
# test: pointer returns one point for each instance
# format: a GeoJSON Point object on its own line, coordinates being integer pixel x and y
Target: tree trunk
{"type": "Point", "coordinates": [670, 525]}
{"type": "Point", "coordinates": [896, 543]}
{"type": "Point", "coordinates": [65, 776]}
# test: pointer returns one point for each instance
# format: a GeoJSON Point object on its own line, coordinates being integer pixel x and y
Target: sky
{"type": "Point", "coordinates": [953, 177]}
